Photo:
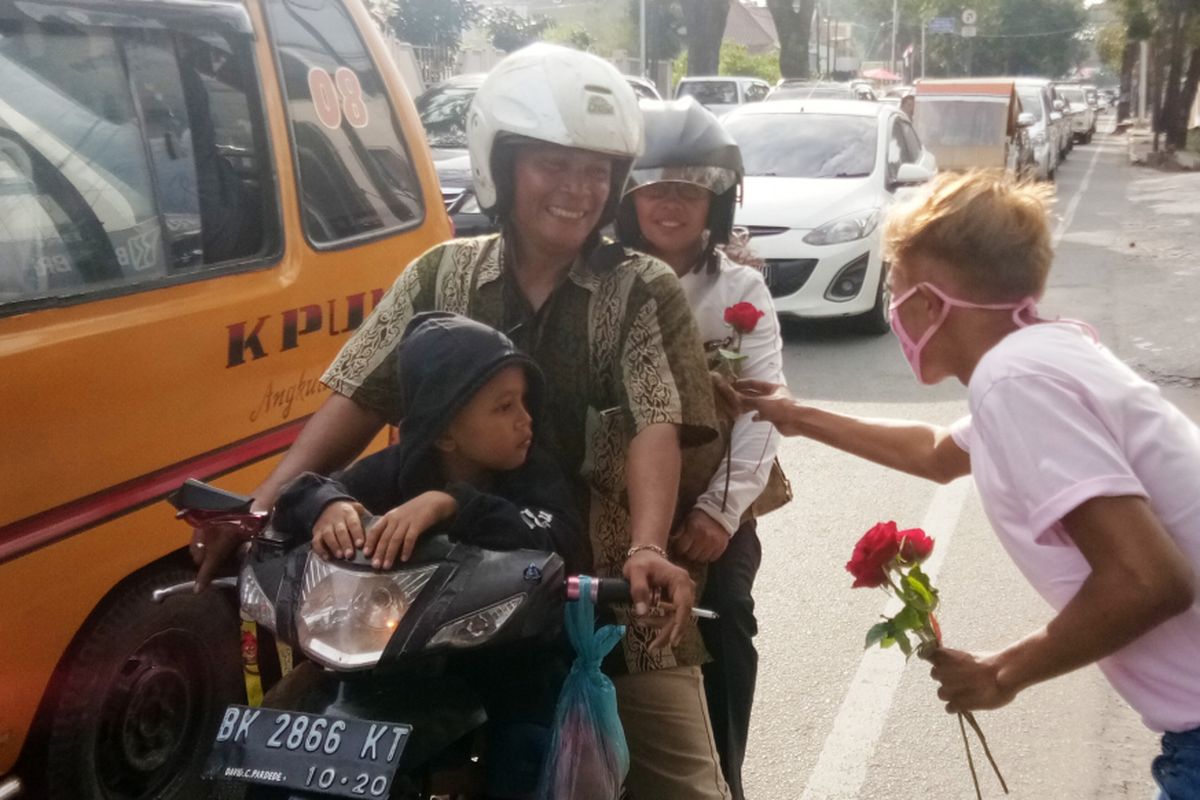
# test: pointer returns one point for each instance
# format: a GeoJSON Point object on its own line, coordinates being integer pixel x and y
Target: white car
{"type": "Point", "coordinates": [820, 175]}
{"type": "Point", "coordinates": [721, 94]}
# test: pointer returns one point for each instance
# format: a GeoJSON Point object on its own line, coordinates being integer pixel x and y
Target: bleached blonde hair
{"type": "Point", "coordinates": [989, 229]}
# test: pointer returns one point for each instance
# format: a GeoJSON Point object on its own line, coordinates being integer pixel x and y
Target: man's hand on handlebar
{"type": "Point", "coordinates": [652, 577]}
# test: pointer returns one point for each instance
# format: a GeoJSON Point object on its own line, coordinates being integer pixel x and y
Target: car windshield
{"type": "Point", "coordinates": [806, 145]}
{"type": "Point", "coordinates": [1073, 96]}
{"type": "Point", "coordinates": [443, 112]}
{"type": "Point", "coordinates": [710, 93]}
{"type": "Point", "coordinates": [1031, 101]}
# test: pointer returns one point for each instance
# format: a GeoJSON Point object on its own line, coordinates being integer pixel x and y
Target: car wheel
{"type": "Point", "coordinates": [141, 692]}
{"type": "Point", "coordinates": [877, 321]}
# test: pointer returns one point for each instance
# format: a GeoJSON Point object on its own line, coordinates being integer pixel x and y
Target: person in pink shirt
{"type": "Point", "coordinates": [1089, 477]}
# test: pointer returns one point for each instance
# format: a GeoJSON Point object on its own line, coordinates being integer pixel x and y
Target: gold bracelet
{"type": "Point", "coordinates": [653, 548]}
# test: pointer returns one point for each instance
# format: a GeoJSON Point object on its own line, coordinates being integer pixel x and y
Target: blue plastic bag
{"type": "Point", "coordinates": [588, 757]}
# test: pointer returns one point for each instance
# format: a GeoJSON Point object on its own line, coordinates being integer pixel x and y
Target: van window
{"type": "Point", "coordinates": [356, 176]}
{"type": "Point", "coordinates": [756, 92]}
{"type": "Point", "coordinates": [710, 92]}
{"type": "Point", "coordinates": [127, 156]}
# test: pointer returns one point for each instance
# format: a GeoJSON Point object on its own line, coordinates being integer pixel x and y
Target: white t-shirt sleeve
{"type": "Point", "coordinates": [960, 432]}
{"type": "Point", "coordinates": [1050, 448]}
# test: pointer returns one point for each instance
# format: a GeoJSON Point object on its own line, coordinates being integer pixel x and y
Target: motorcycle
{"type": "Point", "coordinates": [376, 708]}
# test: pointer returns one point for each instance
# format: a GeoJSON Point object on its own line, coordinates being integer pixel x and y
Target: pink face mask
{"type": "Point", "coordinates": [912, 350]}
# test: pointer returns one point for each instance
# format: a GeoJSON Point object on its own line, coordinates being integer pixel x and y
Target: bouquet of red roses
{"type": "Point", "coordinates": [891, 558]}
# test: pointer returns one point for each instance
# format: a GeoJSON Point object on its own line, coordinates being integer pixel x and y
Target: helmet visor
{"type": "Point", "coordinates": [717, 180]}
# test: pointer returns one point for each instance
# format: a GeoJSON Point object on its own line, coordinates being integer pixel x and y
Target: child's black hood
{"type": "Point", "coordinates": [442, 360]}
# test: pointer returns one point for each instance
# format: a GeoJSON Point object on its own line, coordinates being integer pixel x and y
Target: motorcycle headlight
{"type": "Point", "coordinates": [478, 627]}
{"type": "Point", "coordinates": [858, 225]}
{"type": "Point", "coordinates": [253, 600]}
{"type": "Point", "coordinates": [346, 617]}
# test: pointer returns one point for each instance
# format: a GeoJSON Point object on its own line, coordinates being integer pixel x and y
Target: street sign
{"type": "Point", "coordinates": [967, 31]}
{"type": "Point", "coordinates": [969, 16]}
{"type": "Point", "coordinates": [941, 25]}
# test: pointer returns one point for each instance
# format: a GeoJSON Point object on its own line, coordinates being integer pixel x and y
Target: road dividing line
{"type": "Point", "coordinates": [1069, 215]}
{"type": "Point", "coordinates": [841, 769]}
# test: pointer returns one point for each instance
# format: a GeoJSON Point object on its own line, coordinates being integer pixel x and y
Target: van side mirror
{"type": "Point", "coordinates": [1059, 105]}
{"type": "Point", "coordinates": [1025, 119]}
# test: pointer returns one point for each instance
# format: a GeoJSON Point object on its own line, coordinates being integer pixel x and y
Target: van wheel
{"type": "Point", "coordinates": [877, 321]}
{"type": "Point", "coordinates": [141, 693]}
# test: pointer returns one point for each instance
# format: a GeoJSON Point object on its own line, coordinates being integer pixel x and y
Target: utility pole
{"type": "Point", "coordinates": [642, 36]}
{"type": "Point", "coordinates": [895, 22]}
{"type": "Point", "coordinates": [924, 25]}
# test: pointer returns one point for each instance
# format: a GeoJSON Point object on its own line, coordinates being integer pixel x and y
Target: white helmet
{"type": "Point", "coordinates": [558, 95]}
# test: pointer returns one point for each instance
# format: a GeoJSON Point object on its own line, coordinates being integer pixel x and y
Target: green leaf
{"type": "Point", "coordinates": [907, 620]}
{"type": "Point", "coordinates": [905, 644]}
{"type": "Point", "coordinates": [920, 588]}
{"type": "Point", "coordinates": [877, 632]}
{"type": "Point", "coordinates": [886, 642]}
{"type": "Point", "coordinates": [732, 355]}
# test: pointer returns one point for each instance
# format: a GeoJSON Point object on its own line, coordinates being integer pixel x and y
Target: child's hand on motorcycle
{"type": "Point", "coordinates": [397, 531]}
{"type": "Point", "coordinates": [338, 530]}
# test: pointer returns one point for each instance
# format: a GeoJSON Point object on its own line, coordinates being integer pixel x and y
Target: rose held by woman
{"type": "Point", "coordinates": [878, 546]}
{"type": "Point", "coordinates": [743, 317]}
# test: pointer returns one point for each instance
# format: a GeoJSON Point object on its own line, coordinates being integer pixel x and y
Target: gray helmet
{"type": "Point", "coordinates": [685, 143]}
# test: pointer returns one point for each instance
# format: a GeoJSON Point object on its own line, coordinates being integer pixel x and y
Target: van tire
{"type": "Point", "coordinates": [141, 693]}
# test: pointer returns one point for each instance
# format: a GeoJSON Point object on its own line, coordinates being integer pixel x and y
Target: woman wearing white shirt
{"type": "Point", "coordinates": [678, 207]}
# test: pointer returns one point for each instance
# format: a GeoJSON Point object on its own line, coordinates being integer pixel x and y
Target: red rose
{"type": "Point", "coordinates": [879, 546]}
{"type": "Point", "coordinates": [743, 317]}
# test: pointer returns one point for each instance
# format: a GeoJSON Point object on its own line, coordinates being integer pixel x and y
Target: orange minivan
{"type": "Point", "coordinates": [198, 202]}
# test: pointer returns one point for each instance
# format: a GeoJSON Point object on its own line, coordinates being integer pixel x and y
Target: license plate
{"type": "Point", "coordinates": [324, 755]}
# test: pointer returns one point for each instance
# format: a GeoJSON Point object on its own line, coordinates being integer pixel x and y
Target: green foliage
{"type": "Point", "coordinates": [737, 60]}
{"type": "Point", "coordinates": [511, 31]}
{"type": "Point", "coordinates": [436, 23]}
{"type": "Point", "coordinates": [1110, 46]}
{"type": "Point", "coordinates": [570, 35]}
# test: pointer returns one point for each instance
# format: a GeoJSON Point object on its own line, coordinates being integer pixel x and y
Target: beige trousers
{"type": "Point", "coordinates": [671, 751]}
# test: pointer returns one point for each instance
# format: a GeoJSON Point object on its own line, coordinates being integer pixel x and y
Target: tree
{"type": "Point", "coordinates": [435, 23]}
{"type": "Point", "coordinates": [793, 23]}
{"type": "Point", "coordinates": [511, 31]}
{"type": "Point", "coordinates": [705, 20]}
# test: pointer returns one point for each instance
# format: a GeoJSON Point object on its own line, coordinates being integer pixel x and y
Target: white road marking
{"type": "Point", "coordinates": [841, 769]}
{"type": "Point", "coordinates": [1073, 205]}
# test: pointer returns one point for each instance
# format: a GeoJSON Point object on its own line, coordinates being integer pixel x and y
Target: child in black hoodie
{"type": "Point", "coordinates": [466, 465]}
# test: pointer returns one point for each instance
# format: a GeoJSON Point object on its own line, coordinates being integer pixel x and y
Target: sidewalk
{"type": "Point", "coordinates": [1140, 142]}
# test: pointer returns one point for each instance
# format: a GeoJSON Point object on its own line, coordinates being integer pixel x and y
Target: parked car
{"type": "Point", "coordinates": [974, 122]}
{"type": "Point", "coordinates": [1081, 114]}
{"type": "Point", "coordinates": [1062, 124]}
{"type": "Point", "coordinates": [1036, 100]}
{"type": "Point", "coordinates": [793, 89]}
{"type": "Point", "coordinates": [643, 87]}
{"type": "Point", "coordinates": [820, 175]}
{"type": "Point", "coordinates": [722, 94]}
{"type": "Point", "coordinates": [199, 202]}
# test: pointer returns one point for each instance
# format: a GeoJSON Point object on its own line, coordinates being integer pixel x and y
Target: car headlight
{"type": "Point", "coordinates": [478, 627]}
{"type": "Point", "coordinates": [253, 600]}
{"type": "Point", "coordinates": [347, 616]}
{"type": "Point", "coordinates": [858, 225]}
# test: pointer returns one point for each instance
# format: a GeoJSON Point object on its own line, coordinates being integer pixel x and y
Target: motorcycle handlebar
{"type": "Point", "coordinates": [605, 591]}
